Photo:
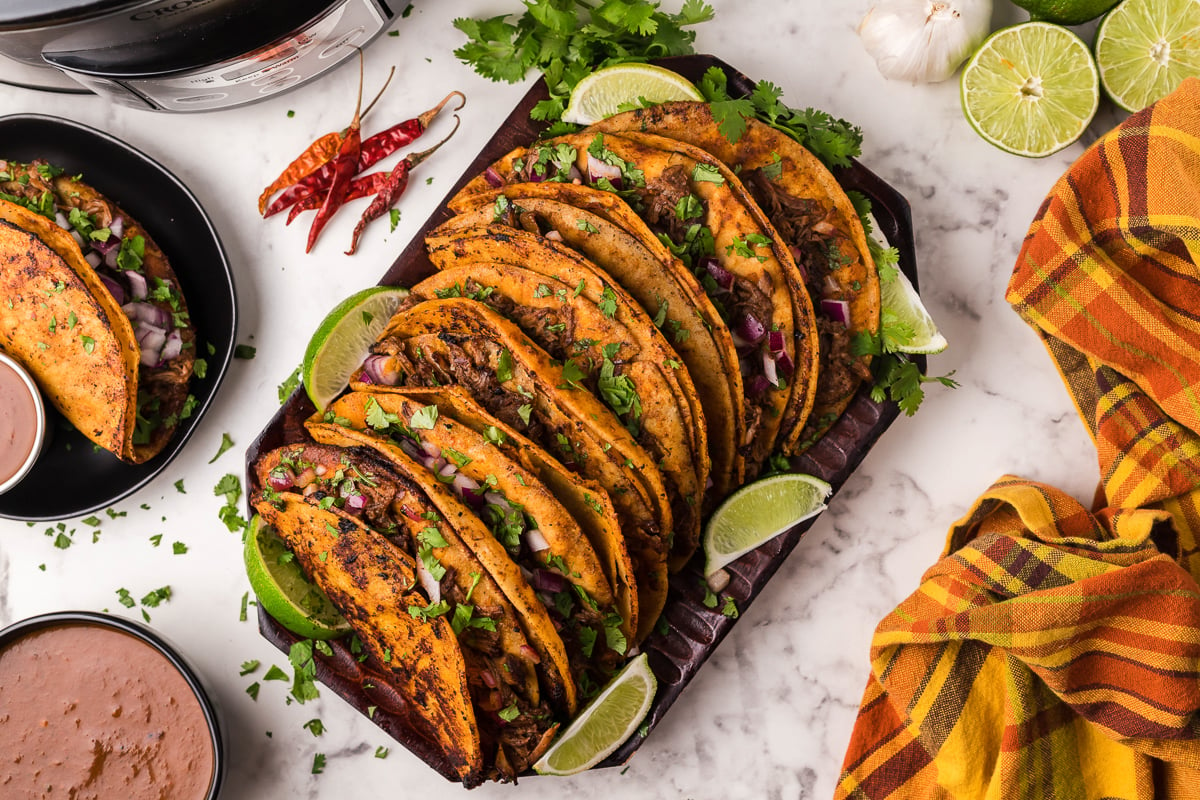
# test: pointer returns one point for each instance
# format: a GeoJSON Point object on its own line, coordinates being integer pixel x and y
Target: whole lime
{"type": "Point", "coordinates": [1065, 12]}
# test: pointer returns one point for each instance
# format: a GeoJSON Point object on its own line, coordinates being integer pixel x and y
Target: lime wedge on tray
{"type": "Point", "coordinates": [1145, 48]}
{"type": "Point", "coordinates": [341, 341]}
{"type": "Point", "coordinates": [900, 298]}
{"type": "Point", "coordinates": [757, 513]}
{"type": "Point", "coordinates": [283, 591]}
{"type": "Point", "coordinates": [602, 93]}
{"type": "Point", "coordinates": [1031, 89]}
{"type": "Point", "coordinates": [605, 723]}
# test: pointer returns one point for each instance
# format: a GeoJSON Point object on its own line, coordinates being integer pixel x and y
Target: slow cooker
{"type": "Point", "coordinates": [181, 55]}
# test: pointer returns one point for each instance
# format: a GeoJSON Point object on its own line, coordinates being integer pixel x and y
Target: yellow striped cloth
{"type": "Point", "coordinates": [1054, 651]}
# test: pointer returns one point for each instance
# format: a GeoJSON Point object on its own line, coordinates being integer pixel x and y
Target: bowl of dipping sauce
{"type": "Point", "coordinates": [97, 706]}
{"type": "Point", "coordinates": [22, 422]}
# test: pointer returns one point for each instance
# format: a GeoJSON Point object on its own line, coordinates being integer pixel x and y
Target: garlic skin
{"type": "Point", "coordinates": [924, 41]}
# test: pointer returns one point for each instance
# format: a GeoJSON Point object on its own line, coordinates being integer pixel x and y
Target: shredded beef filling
{"type": "Point", "coordinates": [660, 197]}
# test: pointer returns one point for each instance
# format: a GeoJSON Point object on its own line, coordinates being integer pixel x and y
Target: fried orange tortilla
{"type": "Point", "coordinates": [459, 341]}
{"type": "Point", "coordinates": [586, 501]}
{"type": "Point", "coordinates": [371, 582]}
{"type": "Point", "coordinates": [813, 216]}
{"type": "Point", "coordinates": [700, 208]}
{"type": "Point", "coordinates": [607, 344]}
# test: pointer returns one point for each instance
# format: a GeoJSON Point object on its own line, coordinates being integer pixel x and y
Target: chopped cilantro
{"type": "Point", "coordinates": [707, 173]}
{"type": "Point", "coordinates": [129, 257]}
{"type": "Point", "coordinates": [504, 366]}
{"type": "Point", "coordinates": [244, 352]}
{"type": "Point", "coordinates": [275, 674]}
{"type": "Point", "coordinates": [226, 443]}
{"type": "Point", "coordinates": [730, 608]}
{"type": "Point", "coordinates": [509, 712]}
{"type": "Point", "coordinates": [381, 751]}
{"type": "Point", "coordinates": [608, 302]}
{"type": "Point", "coordinates": [424, 418]}
{"type": "Point", "coordinates": [393, 218]}
{"type": "Point", "coordinates": [318, 765]}
{"type": "Point", "coordinates": [524, 411]}
{"type": "Point", "coordinates": [252, 690]}
{"type": "Point", "coordinates": [178, 548]}
{"type": "Point", "coordinates": [289, 385]}
{"type": "Point", "coordinates": [315, 727]}
{"type": "Point", "coordinates": [179, 486]}
{"type": "Point", "coordinates": [248, 667]}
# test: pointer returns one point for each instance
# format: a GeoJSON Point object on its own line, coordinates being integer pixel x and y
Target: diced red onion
{"type": "Point", "coordinates": [722, 276]}
{"type": "Point", "coordinates": [757, 386]}
{"type": "Point", "coordinates": [137, 285]}
{"type": "Point", "coordinates": [172, 348]}
{"type": "Point", "coordinates": [597, 169]}
{"type": "Point", "coordinates": [110, 258]}
{"type": "Point", "coordinates": [431, 449]}
{"type": "Point", "coordinates": [148, 313]}
{"type": "Point", "coordinates": [529, 653]}
{"type": "Point", "coordinates": [306, 476]}
{"type": "Point", "coordinates": [785, 365]}
{"type": "Point", "coordinates": [554, 236]}
{"type": "Point", "coordinates": [825, 228]}
{"type": "Point", "coordinates": [409, 448]}
{"type": "Point", "coordinates": [493, 178]}
{"type": "Point", "coordinates": [380, 370]}
{"type": "Point", "coordinates": [356, 501]}
{"type": "Point", "coordinates": [496, 499]}
{"type": "Point", "coordinates": [488, 678]}
{"type": "Point", "coordinates": [93, 259]}
{"type": "Point", "coordinates": [830, 287]}
{"type": "Point", "coordinates": [152, 346]}
{"type": "Point", "coordinates": [472, 497]}
{"type": "Point", "coordinates": [575, 176]}
{"type": "Point", "coordinates": [61, 220]}
{"type": "Point", "coordinates": [837, 310]}
{"type": "Point", "coordinates": [321, 469]}
{"type": "Point", "coordinates": [280, 479]}
{"type": "Point", "coordinates": [769, 369]}
{"type": "Point", "coordinates": [750, 329]}
{"type": "Point", "coordinates": [78, 237]}
{"type": "Point", "coordinates": [114, 289]}
{"type": "Point", "coordinates": [535, 176]}
{"type": "Point", "coordinates": [546, 581]}
{"type": "Point", "coordinates": [117, 228]}
{"type": "Point", "coordinates": [363, 377]}
{"type": "Point", "coordinates": [429, 583]}
{"type": "Point", "coordinates": [775, 342]}
{"type": "Point", "coordinates": [109, 244]}
{"type": "Point", "coordinates": [408, 512]}
{"type": "Point", "coordinates": [536, 541]}
{"type": "Point", "coordinates": [447, 470]}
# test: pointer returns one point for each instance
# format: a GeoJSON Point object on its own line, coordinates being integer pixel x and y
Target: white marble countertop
{"type": "Point", "coordinates": [771, 713]}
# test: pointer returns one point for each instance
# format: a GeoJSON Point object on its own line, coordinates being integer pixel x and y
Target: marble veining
{"type": "Point", "coordinates": [771, 712]}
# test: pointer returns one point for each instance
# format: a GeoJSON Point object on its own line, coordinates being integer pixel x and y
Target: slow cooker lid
{"type": "Point", "coordinates": [18, 14]}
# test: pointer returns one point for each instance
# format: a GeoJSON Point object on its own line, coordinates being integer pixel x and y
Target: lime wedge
{"type": "Point", "coordinates": [602, 93]}
{"type": "Point", "coordinates": [283, 591]}
{"type": "Point", "coordinates": [1145, 48]}
{"type": "Point", "coordinates": [757, 513]}
{"type": "Point", "coordinates": [901, 299]}
{"type": "Point", "coordinates": [606, 722]}
{"type": "Point", "coordinates": [342, 340]}
{"type": "Point", "coordinates": [1031, 89]}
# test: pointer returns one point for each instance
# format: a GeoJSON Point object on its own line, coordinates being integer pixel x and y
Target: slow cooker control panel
{"type": "Point", "coordinates": [305, 54]}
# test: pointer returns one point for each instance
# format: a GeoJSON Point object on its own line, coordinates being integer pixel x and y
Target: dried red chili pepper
{"type": "Point", "coordinates": [344, 164]}
{"type": "Point", "coordinates": [314, 157]}
{"type": "Point", "coordinates": [396, 183]}
{"type": "Point", "coordinates": [373, 150]}
{"type": "Point", "coordinates": [362, 186]}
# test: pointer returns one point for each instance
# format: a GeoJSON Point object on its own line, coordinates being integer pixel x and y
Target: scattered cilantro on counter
{"type": "Point", "coordinates": [381, 752]}
{"type": "Point", "coordinates": [318, 763]}
{"type": "Point", "coordinates": [567, 39]}
{"type": "Point", "coordinates": [179, 486]}
{"type": "Point", "coordinates": [226, 443]}
{"type": "Point", "coordinates": [275, 674]}
{"type": "Point", "coordinates": [156, 539]}
{"type": "Point", "coordinates": [245, 352]}
{"type": "Point", "coordinates": [252, 690]}
{"type": "Point", "coordinates": [245, 603]}
{"type": "Point", "coordinates": [249, 666]}
{"type": "Point", "coordinates": [179, 548]}
{"type": "Point", "coordinates": [315, 727]}
{"type": "Point", "coordinates": [289, 385]}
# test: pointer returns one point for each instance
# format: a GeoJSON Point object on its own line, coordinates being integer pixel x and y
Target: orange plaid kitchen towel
{"type": "Point", "coordinates": [1054, 652]}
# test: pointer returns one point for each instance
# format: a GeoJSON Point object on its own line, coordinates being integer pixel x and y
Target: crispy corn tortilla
{"type": "Point", "coordinates": [602, 227]}
{"type": "Point", "coordinates": [66, 329]}
{"type": "Point", "coordinates": [457, 341]}
{"type": "Point", "coordinates": [370, 581]}
{"type": "Point", "coordinates": [743, 247]}
{"type": "Point", "coordinates": [491, 555]}
{"type": "Point", "coordinates": [586, 501]}
{"type": "Point", "coordinates": [550, 288]}
{"type": "Point", "coordinates": [800, 175]}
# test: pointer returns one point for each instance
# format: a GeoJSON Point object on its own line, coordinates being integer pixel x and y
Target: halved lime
{"type": "Point", "coordinates": [283, 591]}
{"type": "Point", "coordinates": [606, 722]}
{"type": "Point", "coordinates": [757, 513]}
{"type": "Point", "coordinates": [342, 340]}
{"type": "Point", "coordinates": [1145, 48]}
{"type": "Point", "coordinates": [1065, 12]}
{"type": "Point", "coordinates": [1031, 89]}
{"type": "Point", "coordinates": [602, 93]}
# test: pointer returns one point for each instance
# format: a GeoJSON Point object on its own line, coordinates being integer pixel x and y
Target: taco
{"type": "Point", "coordinates": [364, 498]}
{"type": "Point", "coordinates": [700, 209]}
{"type": "Point", "coordinates": [605, 341]}
{"type": "Point", "coordinates": [815, 219]}
{"type": "Point", "coordinates": [459, 341]}
{"type": "Point", "coordinates": [543, 541]}
{"type": "Point", "coordinates": [127, 274]}
{"type": "Point", "coordinates": [602, 228]}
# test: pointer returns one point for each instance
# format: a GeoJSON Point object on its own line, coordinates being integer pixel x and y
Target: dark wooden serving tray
{"type": "Point", "coordinates": [694, 631]}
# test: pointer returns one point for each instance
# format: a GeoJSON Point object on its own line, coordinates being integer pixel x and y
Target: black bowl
{"type": "Point", "coordinates": [216, 729]}
{"type": "Point", "coordinates": [73, 477]}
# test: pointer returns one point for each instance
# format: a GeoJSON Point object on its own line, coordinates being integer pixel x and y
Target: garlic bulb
{"type": "Point", "coordinates": [924, 41]}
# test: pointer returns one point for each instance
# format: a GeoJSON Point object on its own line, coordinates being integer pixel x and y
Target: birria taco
{"type": "Point", "coordinates": [461, 341]}
{"type": "Point", "coordinates": [365, 526]}
{"type": "Point", "coordinates": [605, 341]}
{"type": "Point", "coordinates": [701, 211]}
{"type": "Point", "coordinates": [814, 217]}
{"type": "Point", "coordinates": [113, 313]}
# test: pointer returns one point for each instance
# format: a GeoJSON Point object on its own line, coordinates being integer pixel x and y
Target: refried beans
{"type": "Point", "coordinates": [88, 712]}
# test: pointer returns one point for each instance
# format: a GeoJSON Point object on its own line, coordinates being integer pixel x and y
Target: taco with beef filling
{"type": "Point", "coordinates": [605, 341]}
{"type": "Point", "coordinates": [815, 219]}
{"type": "Point", "coordinates": [130, 337]}
{"type": "Point", "coordinates": [697, 206]}
{"type": "Point", "coordinates": [365, 529]}
{"type": "Point", "coordinates": [457, 341]}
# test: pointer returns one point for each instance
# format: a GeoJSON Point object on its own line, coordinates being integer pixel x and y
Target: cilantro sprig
{"type": "Point", "coordinates": [567, 39]}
